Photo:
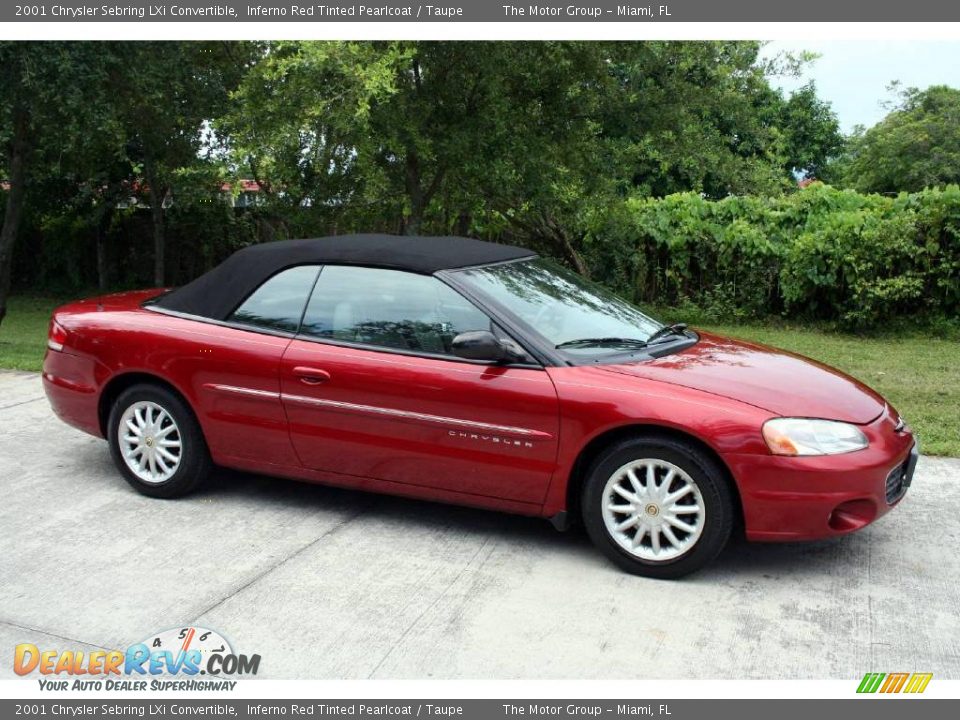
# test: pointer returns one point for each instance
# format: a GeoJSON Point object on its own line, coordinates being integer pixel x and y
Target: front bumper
{"type": "Point", "coordinates": [808, 498]}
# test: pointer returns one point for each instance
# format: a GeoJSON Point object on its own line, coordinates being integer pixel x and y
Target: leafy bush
{"type": "Point", "coordinates": [818, 253]}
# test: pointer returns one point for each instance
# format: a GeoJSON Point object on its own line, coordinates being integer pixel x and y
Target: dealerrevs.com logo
{"type": "Point", "coordinates": [894, 682]}
{"type": "Point", "coordinates": [170, 660]}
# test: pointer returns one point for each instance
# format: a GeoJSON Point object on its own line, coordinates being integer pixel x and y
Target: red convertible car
{"type": "Point", "coordinates": [476, 373]}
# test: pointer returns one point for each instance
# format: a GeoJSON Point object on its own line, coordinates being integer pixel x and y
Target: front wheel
{"type": "Point", "coordinates": [156, 442]}
{"type": "Point", "coordinates": [657, 506]}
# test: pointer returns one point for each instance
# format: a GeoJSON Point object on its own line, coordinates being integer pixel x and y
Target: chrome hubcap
{"type": "Point", "coordinates": [150, 442]}
{"type": "Point", "coordinates": [653, 509]}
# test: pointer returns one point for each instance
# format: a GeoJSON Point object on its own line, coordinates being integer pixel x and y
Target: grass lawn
{"type": "Point", "coordinates": [23, 332]}
{"type": "Point", "coordinates": [919, 373]}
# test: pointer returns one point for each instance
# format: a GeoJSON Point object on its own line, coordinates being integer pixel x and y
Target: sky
{"type": "Point", "coordinates": [853, 75]}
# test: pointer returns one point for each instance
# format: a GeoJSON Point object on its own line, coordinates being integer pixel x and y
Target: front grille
{"type": "Point", "coordinates": [896, 483]}
{"type": "Point", "coordinates": [901, 476]}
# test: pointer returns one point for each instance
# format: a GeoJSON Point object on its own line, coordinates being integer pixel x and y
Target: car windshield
{"type": "Point", "coordinates": [568, 311]}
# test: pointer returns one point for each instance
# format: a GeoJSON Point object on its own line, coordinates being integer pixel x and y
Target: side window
{"type": "Point", "coordinates": [389, 308]}
{"type": "Point", "coordinates": [278, 303]}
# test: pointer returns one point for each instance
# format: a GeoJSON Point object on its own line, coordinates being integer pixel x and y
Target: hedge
{"type": "Point", "coordinates": [818, 253]}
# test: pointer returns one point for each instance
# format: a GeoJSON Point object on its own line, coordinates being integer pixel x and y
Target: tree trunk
{"type": "Point", "coordinates": [411, 225]}
{"type": "Point", "coordinates": [19, 148]}
{"type": "Point", "coordinates": [548, 231]}
{"type": "Point", "coordinates": [103, 225]}
{"type": "Point", "coordinates": [464, 220]}
{"type": "Point", "coordinates": [574, 256]}
{"type": "Point", "coordinates": [419, 196]}
{"type": "Point", "coordinates": [558, 235]}
{"type": "Point", "coordinates": [157, 194]}
{"type": "Point", "coordinates": [101, 262]}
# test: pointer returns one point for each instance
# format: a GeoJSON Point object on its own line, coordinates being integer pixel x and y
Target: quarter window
{"type": "Point", "coordinates": [278, 303]}
{"type": "Point", "coordinates": [389, 308]}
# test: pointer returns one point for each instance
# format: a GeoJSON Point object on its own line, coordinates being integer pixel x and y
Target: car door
{"type": "Point", "coordinates": [235, 368]}
{"type": "Point", "coordinates": [371, 390]}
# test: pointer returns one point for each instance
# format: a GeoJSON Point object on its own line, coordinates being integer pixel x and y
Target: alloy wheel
{"type": "Point", "coordinates": [150, 442]}
{"type": "Point", "coordinates": [653, 509]}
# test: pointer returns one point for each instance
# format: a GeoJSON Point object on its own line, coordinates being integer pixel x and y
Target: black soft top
{"type": "Point", "coordinates": [217, 293]}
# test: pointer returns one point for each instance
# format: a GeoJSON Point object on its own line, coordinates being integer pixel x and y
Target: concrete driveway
{"type": "Point", "coordinates": [326, 583]}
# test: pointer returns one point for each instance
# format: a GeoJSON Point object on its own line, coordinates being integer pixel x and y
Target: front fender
{"type": "Point", "coordinates": [595, 403]}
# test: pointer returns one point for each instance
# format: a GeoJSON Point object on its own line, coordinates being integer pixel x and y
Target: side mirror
{"type": "Point", "coordinates": [480, 345]}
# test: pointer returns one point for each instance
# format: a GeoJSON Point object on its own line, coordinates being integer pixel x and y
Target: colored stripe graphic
{"type": "Point", "coordinates": [894, 682]}
{"type": "Point", "coordinates": [918, 683]}
{"type": "Point", "coordinates": [870, 682]}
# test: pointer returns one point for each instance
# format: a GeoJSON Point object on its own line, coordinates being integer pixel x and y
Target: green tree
{"type": "Point", "coordinates": [299, 122]}
{"type": "Point", "coordinates": [811, 133]}
{"type": "Point", "coordinates": [694, 116]}
{"type": "Point", "coordinates": [49, 99]}
{"type": "Point", "coordinates": [664, 117]}
{"type": "Point", "coordinates": [519, 141]}
{"type": "Point", "coordinates": [163, 93]}
{"type": "Point", "coordinates": [508, 137]}
{"type": "Point", "coordinates": [484, 133]}
{"type": "Point", "coordinates": [417, 135]}
{"type": "Point", "coordinates": [917, 145]}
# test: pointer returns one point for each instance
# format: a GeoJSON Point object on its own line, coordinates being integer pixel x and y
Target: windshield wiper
{"type": "Point", "coordinates": [602, 342]}
{"type": "Point", "coordinates": [667, 331]}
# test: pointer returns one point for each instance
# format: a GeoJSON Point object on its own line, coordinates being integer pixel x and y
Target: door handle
{"type": "Point", "coordinates": [311, 376]}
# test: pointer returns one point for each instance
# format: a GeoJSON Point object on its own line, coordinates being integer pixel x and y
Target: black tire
{"type": "Point", "coordinates": [194, 464]}
{"type": "Point", "coordinates": [701, 468]}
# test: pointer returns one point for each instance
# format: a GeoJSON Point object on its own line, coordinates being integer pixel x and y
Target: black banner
{"type": "Point", "coordinates": [879, 709]}
{"type": "Point", "coordinates": [479, 11]}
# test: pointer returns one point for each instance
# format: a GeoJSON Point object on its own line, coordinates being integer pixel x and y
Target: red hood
{"type": "Point", "coordinates": [775, 380]}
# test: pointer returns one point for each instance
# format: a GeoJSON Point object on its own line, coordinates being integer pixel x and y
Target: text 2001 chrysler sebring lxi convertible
{"type": "Point", "coordinates": [475, 373]}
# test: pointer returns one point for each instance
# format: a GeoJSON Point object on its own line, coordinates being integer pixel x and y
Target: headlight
{"type": "Point", "coordinates": [802, 436]}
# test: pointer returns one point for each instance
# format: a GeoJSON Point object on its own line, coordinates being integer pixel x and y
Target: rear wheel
{"type": "Point", "coordinates": [156, 442]}
{"type": "Point", "coordinates": [657, 506]}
